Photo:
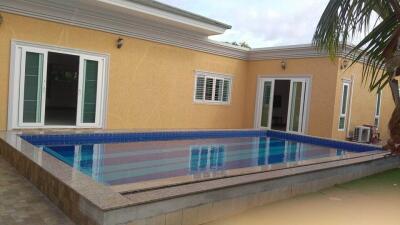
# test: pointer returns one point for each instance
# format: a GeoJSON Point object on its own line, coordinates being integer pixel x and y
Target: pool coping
{"type": "Point", "coordinates": [204, 186]}
{"type": "Point", "coordinates": [230, 173]}
{"type": "Point", "coordinates": [105, 198]}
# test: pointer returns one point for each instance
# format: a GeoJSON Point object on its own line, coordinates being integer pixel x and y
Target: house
{"type": "Point", "coordinates": [137, 64]}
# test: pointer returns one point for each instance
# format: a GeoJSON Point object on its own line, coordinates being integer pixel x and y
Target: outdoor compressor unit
{"type": "Point", "coordinates": [362, 134]}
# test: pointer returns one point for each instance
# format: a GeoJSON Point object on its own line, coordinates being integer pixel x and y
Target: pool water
{"type": "Point", "coordinates": [131, 162]}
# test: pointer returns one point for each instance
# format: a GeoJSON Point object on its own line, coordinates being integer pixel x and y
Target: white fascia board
{"type": "Point", "coordinates": [85, 14]}
{"type": "Point", "coordinates": [293, 52]}
{"type": "Point", "coordinates": [162, 16]}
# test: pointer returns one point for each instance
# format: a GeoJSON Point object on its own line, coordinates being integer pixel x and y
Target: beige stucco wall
{"type": "Point", "coordinates": [150, 85]}
{"type": "Point", "coordinates": [362, 107]}
{"type": "Point", "coordinates": [323, 73]}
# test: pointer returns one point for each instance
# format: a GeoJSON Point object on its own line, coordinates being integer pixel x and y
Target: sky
{"type": "Point", "coordinates": [261, 23]}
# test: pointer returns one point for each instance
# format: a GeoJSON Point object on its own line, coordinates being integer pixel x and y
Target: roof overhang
{"type": "Point", "coordinates": [128, 11]}
{"type": "Point", "coordinates": [162, 13]}
{"type": "Point", "coordinates": [143, 19]}
{"type": "Point", "coordinates": [153, 21]}
{"type": "Point", "coordinates": [295, 52]}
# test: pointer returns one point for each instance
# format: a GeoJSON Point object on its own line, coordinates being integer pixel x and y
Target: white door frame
{"type": "Point", "coordinates": [259, 98]}
{"type": "Point", "coordinates": [17, 52]}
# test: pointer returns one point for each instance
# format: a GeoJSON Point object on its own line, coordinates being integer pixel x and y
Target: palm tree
{"type": "Point", "coordinates": [379, 21]}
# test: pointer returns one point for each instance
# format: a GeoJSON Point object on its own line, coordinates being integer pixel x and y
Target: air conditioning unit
{"type": "Point", "coordinates": [362, 134]}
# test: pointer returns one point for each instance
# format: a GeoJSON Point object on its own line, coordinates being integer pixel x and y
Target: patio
{"type": "Point", "coordinates": [21, 203]}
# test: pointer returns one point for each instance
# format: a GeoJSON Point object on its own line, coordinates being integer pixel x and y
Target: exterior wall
{"type": "Point", "coordinates": [150, 85]}
{"type": "Point", "coordinates": [362, 104]}
{"type": "Point", "coordinates": [323, 74]}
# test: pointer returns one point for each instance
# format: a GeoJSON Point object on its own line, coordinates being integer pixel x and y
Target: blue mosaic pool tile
{"type": "Point", "coordinates": [181, 135]}
{"type": "Point", "coordinates": [124, 137]}
{"type": "Point", "coordinates": [322, 141]}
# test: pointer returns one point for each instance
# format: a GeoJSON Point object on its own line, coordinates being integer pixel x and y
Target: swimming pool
{"type": "Point", "coordinates": [118, 159]}
{"type": "Point", "coordinates": [179, 177]}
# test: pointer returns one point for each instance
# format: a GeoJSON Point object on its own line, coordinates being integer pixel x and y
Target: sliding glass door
{"type": "Point", "coordinates": [281, 104]}
{"type": "Point", "coordinates": [39, 78]}
{"type": "Point", "coordinates": [296, 105]}
{"type": "Point", "coordinates": [267, 87]}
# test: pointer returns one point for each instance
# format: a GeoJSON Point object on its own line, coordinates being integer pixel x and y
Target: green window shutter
{"type": "Point", "coordinates": [344, 103]}
{"type": "Point", "coordinates": [342, 121]}
{"type": "Point", "coordinates": [218, 90]}
{"type": "Point", "coordinates": [200, 82]}
{"type": "Point", "coordinates": [227, 87]}
{"type": "Point", "coordinates": [378, 105]}
{"type": "Point", "coordinates": [33, 87]}
{"type": "Point", "coordinates": [209, 89]}
{"type": "Point", "coordinates": [344, 99]}
{"type": "Point", "coordinates": [90, 91]}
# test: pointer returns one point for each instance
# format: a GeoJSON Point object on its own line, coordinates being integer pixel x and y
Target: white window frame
{"type": "Point", "coordinates": [215, 77]}
{"type": "Point", "coordinates": [341, 113]}
{"type": "Point", "coordinates": [16, 63]}
{"type": "Point", "coordinates": [378, 109]}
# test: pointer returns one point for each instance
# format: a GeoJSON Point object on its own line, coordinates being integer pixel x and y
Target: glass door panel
{"type": "Point", "coordinates": [266, 104]}
{"type": "Point", "coordinates": [296, 106]}
{"type": "Point", "coordinates": [89, 91]}
{"type": "Point", "coordinates": [32, 88]}
{"type": "Point", "coordinates": [89, 96]}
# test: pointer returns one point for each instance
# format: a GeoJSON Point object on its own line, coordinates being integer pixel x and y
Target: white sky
{"type": "Point", "coordinates": [261, 23]}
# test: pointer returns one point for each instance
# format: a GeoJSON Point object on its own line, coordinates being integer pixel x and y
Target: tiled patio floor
{"type": "Point", "coordinates": [22, 204]}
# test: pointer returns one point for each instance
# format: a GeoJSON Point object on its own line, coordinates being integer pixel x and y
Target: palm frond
{"type": "Point", "coordinates": [371, 50]}
{"type": "Point", "coordinates": [342, 20]}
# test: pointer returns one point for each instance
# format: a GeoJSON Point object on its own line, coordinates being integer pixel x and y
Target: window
{"type": "Point", "coordinates": [212, 88]}
{"type": "Point", "coordinates": [378, 109]}
{"type": "Point", "coordinates": [344, 105]}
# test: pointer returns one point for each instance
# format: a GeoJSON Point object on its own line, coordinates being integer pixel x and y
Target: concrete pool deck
{"type": "Point", "coordinates": [368, 201]}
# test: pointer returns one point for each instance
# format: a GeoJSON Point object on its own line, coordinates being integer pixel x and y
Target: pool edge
{"type": "Point", "coordinates": [90, 210]}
